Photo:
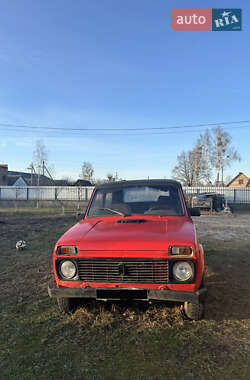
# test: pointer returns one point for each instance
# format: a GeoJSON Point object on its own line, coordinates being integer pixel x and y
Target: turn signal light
{"type": "Point", "coordinates": [181, 251]}
{"type": "Point", "coordinates": [67, 250]}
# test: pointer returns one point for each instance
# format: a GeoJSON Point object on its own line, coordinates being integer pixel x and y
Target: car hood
{"type": "Point", "coordinates": [157, 234]}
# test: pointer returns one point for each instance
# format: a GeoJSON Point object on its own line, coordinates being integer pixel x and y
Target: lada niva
{"type": "Point", "coordinates": [136, 241]}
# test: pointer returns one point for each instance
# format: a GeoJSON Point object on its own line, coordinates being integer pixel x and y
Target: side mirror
{"type": "Point", "coordinates": [80, 215]}
{"type": "Point", "coordinates": [195, 211]}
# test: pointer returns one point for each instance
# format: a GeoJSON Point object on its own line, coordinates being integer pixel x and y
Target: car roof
{"type": "Point", "coordinates": [140, 182]}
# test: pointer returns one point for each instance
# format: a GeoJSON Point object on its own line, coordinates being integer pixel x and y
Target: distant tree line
{"type": "Point", "coordinates": [204, 164]}
{"type": "Point", "coordinates": [87, 173]}
{"type": "Point", "coordinates": [40, 166]}
{"type": "Point", "coordinates": [211, 154]}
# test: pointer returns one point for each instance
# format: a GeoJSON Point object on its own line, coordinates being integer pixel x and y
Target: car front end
{"type": "Point", "coordinates": [139, 248]}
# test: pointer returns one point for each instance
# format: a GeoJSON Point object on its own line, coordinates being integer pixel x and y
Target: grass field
{"type": "Point", "coordinates": [116, 340]}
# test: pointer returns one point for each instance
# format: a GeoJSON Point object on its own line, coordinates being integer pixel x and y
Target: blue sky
{"type": "Point", "coordinates": [117, 64]}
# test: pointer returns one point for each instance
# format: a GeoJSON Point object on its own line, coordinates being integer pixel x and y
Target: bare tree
{"type": "Point", "coordinates": [211, 151]}
{"type": "Point", "coordinates": [87, 171]}
{"type": "Point", "coordinates": [183, 171]}
{"type": "Point", "coordinates": [203, 147]}
{"type": "Point", "coordinates": [195, 157]}
{"type": "Point", "coordinates": [193, 167]}
{"type": "Point", "coordinates": [40, 157]}
{"type": "Point", "coordinates": [40, 166]}
{"type": "Point", "coordinates": [222, 154]}
{"type": "Point", "coordinates": [112, 177]}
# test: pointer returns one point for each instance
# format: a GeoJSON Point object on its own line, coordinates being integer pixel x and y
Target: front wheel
{"type": "Point", "coordinates": [194, 311]}
{"type": "Point", "coordinates": [66, 305]}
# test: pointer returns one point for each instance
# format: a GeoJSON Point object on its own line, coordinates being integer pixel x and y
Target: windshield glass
{"type": "Point", "coordinates": [161, 200]}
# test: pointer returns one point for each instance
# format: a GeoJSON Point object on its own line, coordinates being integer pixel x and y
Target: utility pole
{"type": "Point", "coordinates": [38, 176]}
{"type": "Point", "coordinates": [47, 170]}
{"type": "Point", "coordinates": [223, 161]}
{"type": "Point", "coordinates": [32, 172]}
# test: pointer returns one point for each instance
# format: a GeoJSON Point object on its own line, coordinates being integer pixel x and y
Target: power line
{"type": "Point", "coordinates": [26, 126]}
{"type": "Point", "coordinates": [131, 134]}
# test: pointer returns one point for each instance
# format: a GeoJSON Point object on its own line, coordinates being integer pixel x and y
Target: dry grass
{"type": "Point", "coordinates": [118, 340]}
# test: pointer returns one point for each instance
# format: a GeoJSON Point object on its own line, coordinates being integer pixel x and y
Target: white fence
{"type": "Point", "coordinates": [46, 193]}
{"type": "Point", "coordinates": [235, 195]}
{"type": "Point", "coordinates": [72, 193]}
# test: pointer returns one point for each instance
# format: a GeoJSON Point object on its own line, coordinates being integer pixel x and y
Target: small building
{"type": "Point", "coordinates": [17, 181]}
{"type": "Point", "coordinates": [241, 181]}
{"type": "Point", "coordinates": [31, 179]}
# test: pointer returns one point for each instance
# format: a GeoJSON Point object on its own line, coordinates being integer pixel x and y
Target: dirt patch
{"type": "Point", "coordinates": [223, 227]}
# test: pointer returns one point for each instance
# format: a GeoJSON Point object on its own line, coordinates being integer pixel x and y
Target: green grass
{"type": "Point", "coordinates": [116, 340]}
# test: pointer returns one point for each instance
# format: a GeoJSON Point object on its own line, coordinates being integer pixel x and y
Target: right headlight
{"type": "Point", "coordinates": [68, 269]}
{"type": "Point", "coordinates": [182, 271]}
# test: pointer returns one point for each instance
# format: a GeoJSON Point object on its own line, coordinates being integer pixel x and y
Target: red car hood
{"type": "Point", "coordinates": [152, 234]}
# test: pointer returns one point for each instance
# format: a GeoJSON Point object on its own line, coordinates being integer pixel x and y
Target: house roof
{"type": "Point", "coordinates": [12, 180]}
{"type": "Point", "coordinates": [239, 174]}
{"type": "Point", "coordinates": [22, 174]}
{"type": "Point", "coordinates": [43, 180]}
{"type": "Point", "coordinates": [62, 182]}
{"type": "Point", "coordinates": [82, 182]}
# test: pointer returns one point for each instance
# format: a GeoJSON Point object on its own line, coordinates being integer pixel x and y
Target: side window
{"type": "Point", "coordinates": [108, 200]}
{"type": "Point", "coordinates": [102, 199]}
{"type": "Point", "coordinates": [98, 201]}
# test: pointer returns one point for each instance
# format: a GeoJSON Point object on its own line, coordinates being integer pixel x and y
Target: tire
{"type": "Point", "coordinates": [194, 311]}
{"type": "Point", "coordinates": [66, 305]}
{"type": "Point", "coordinates": [203, 282]}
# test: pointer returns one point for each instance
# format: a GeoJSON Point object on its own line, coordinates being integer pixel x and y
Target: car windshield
{"type": "Point", "coordinates": [163, 200]}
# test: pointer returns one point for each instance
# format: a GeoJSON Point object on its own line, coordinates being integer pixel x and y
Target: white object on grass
{"type": "Point", "coordinates": [21, 244]}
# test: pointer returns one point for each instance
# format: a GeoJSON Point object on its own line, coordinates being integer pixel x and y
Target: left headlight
{"type": "Point", "coordinates": [68, 269]}
{"type": "Point", "coordinates": [183, 271]}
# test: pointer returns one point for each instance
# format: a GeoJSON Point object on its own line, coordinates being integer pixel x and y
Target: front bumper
{"type": "Point", "coordinates": [128, 293]}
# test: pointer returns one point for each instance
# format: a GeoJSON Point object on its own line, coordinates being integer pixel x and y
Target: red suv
{"type": "Point", "coordinates": [136, 241]}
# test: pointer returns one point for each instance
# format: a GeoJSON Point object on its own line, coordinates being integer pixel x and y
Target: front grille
{"type": "Point", "coordinates": [123, 270]}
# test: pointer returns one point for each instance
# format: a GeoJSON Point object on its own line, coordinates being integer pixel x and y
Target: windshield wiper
{"type": "Point", "coordinates": [111, 210]}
